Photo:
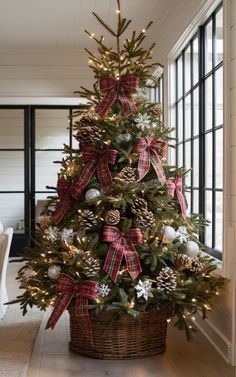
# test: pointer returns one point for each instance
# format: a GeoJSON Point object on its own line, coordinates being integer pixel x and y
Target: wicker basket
{"type": "Point", "coordinates": [123, 338]}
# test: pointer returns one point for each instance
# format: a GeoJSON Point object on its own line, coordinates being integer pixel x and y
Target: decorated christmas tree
{"type": "Point", "coordinates": [116, 237]}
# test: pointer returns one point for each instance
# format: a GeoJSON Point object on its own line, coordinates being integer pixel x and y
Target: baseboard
{"type": "Point", "coordinates": [216, 338]}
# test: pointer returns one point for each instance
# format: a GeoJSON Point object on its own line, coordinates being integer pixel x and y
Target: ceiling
{"type": "Point", "coordinates": [60, 24]}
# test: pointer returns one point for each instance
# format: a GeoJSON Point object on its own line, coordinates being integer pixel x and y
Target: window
{"type": "Point", "coordinates": [199, 126]}
{"type": "Point", "coordinates": [31, 138]}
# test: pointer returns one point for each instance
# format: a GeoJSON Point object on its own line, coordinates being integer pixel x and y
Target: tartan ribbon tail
{"type": "Point", "coordinates": [157, 166]}
{"type": "Point", "coordinates": [132, 260]}
{"type": "Point", "coordinates": [127, 103]}
{"type": "Point", "coordinates": [143, 164]}
{"type": "Point", "coordinates": [78, 187]}
{"type": "Point", "coordinates": [61, 208]}
{"type": "Point", "coordinates": [175, 186]}
{"type": "Point", "coordinates": [113, 260]}
{"type": "Point", "coordinates": [82, 315]}
{"type": "Point", "coordinates": [106, 103]}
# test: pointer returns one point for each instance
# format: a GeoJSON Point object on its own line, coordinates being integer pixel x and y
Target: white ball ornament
{"type": "Point", "coordinates": [192, 249]}
{"type": "Point", "coordinates": [92, 194]}
{"type": "Point", "coordinates": [169, 234]}
{"type": "Point", "coordinates": [54, 272]}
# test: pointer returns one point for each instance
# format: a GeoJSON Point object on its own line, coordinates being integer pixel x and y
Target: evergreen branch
{"type": "Point", "coordinates": [104, 24]}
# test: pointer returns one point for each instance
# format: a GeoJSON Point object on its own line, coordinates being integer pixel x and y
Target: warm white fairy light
{"type": "Point", "coordinates": [117, 11]}
{"type": "Point", "coordinates": [194, 300]}
{"type": "Point", "coordinates": [168, 320]}
{"type": "Point", "coordinates": [143, 30]}
{"type": "Point", "coordinates": [92, 35]}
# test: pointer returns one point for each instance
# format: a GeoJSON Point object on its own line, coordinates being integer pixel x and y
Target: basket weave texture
{"type": "Point", "coordinates": [123, 338]}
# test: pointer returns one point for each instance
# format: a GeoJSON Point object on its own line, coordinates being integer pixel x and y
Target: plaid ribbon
{"type": "Point", "coordinates": [120, 89]}
{"type": "Point", "coordinates": [150, 153]}
{"type": "Point", "coordinates": [175, 186]}
{"type": "Point", "coordinates": [96, 160]}
{"type": "Point", "coordinates": [67, 290]}
{"type": "Point", "coordinates": [64, 191]}
{"type": "Point", "coordinates": [122, 245]}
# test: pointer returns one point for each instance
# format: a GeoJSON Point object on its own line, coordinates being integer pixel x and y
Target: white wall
{"type": "Point", "coordinates": [49, 73]}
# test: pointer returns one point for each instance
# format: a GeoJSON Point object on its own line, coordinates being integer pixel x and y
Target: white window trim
{"type": "Point", "coordinates": [224, 268]}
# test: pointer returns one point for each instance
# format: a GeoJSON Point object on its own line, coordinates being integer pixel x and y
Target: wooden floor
{"type": "Point", "coordinates": [51, 358]}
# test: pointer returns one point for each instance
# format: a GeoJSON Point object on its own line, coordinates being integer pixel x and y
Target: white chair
{"type": "Point", "coordinates": [1, 228]}
{"type": "Point", "coordinates": [5, 245]}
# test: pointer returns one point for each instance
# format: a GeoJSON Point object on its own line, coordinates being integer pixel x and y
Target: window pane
{"type": "Point", "coordinates": [11, 128]}
{"type": "Point", "coordinates": [208, 103]}
{"type": "Point", "coordinates": [196, 112]}
{"type": "Point", "coordinates": [196, 163]}
{"type": "Point", "coordinates": [12, 211]}
{"type": "Point", "coordinates": [208, 47]}
{"type": "Point", "coordinates": [187, 70]}
{"type": "Point", "coordinates": [219, 36]}
{"type": "Point", "coordinates": [12, 171]}
{"type": "Point", "coordinates": [219, 158]}
{"type": "Point", "coordinates": [208, 216]}
{"type": "Point", "coordinates": [195, 201]}
{"type": "Point", "coordinates": [187, 120]}
{"type": "Point", "coordinates": [208, 160]}
{"type": "Point", "coordinates": [180, 120]}
{"type": "Point", "coordinates": [188, 199]}
{"type": "Point", "coordinates": [195, 61]}
{"type": "Point", "coordinates": [179, 77]}
{"type": "Point", "coordinates": [219, 97]}
{"type": "Point", "coordinates": [180, 155]}
{"type": "Point", "coordinates": [46, 171]}
{"type": "Point", "coordinates": [51, 128]}
{"type": "Point", "coordinates": [187, 164]}
{"type": "Point", "coordinates": [219, 221]}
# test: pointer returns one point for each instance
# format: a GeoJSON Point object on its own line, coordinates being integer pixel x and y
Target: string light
{"type": "Point", "coordinates": [168, 320]}
{"type": "Point", "coordinates": [143, 30]}
{"type": "Point", "coordinates": [92, 35]}
{"type": "Point", "coordinates": [117, 11]}
{"type": "Point", "coordinates": [194, 300]}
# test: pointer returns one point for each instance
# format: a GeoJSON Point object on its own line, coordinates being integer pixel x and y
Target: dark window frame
{"type": "Point", "coordinates": [201, 135]}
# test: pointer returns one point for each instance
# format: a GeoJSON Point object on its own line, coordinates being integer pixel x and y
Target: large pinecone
{"type": "Point", "coordinates": [87, 219]}
{"type": "Point", "coordinates": [127, 175]}
{"type": "Point", "coordinates": [90, 265]}
{"type": "Point", "coordinates": [146, 220]}
{"type": "Point", "coordinates": [183, 262]}
{"type": "Point", "coordinates": [89, 134]}
{"type": "Point", "coordinates": [112, 217]}
{"type": "Point", "coordinates": [197, 265]}
{"type": "Point", "coordinates": [166, 280]}
{"type": "Point", "coordinates": [139, 206]}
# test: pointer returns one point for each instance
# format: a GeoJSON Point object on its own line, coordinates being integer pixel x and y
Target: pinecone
{"type": "Point", "coordinates": [166, 280]}
{"type": "Point", "coordinates": [89, 134]}
{"type": "Point", "coordinates": [146, 220]}
{"type": "Point", "coordinates": [45, 222]}
{"type": "Point", "coordinates": [25, 275]}
{"type": "Point", "coordinates": [87, 219]}
{"type": "Point", "coordinates": [90, 265]}
{"type": "Point", "coordinates": [127, 175]}
{"type": "Point", "coordinates": [72, 250]}
{"type": "Point", "coordinates": [197, 265]}
{"type": "Point", "coordinates": [112, 217]}
{"type": "Point", "coordinates": [139, 206]}
{"type": "Point", "coordinates": [156, 109]}
{"type": "Point", "coordinates": [183, 262]}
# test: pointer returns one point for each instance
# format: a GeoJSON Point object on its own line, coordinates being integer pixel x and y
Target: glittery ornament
{"type": "Point", "coordinates": [92, 194]}
{"type": "Point", "coordinates": [103, 290]}
{"type": "Point", "coordinates": [192, 249]}
{"type": "Point", "coordinates": [54, 272]}
{"type": "Point", "coordinates": [182, 234]}
{"type": "Point", "coordinates": [169, 234]}
{"type": "Point", "coordinates": [144, 288]}
{"type": "Point", "coordinates": [67, 235]}
{"type": "Point", "coordinates": [51, 233]}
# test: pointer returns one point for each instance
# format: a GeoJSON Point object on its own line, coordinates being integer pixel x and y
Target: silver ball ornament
{"type": "Point", "coordinates": [54, 272]}
{"type": "Point", "coordinates": [92, 194]}
{"type": "Point", "coordinates": [192, 249]}
{"type": "Point", "coordinates": [169, 234]}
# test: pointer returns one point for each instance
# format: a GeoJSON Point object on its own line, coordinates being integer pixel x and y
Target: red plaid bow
{"type": "Point", "coordinates": [96, 160]}
{"type": "Point", "coordinates": [150, 152]}
{"type": "Point", "coordinates": [120, 89]}
{"type": "Point", "coordinates": [122, 245]}
{"type": "Point", "coordinates": [67, 290]}
{"type": "Point", "coordinates": [65, 192]}
{"type": "Point", "coordinates": [175, 186]}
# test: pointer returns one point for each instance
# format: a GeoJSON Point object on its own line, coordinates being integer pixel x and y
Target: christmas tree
{"type": "Point", "coordinates": [117, 233]}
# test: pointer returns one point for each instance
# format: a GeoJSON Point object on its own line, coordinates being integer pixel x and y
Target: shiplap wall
{"type": "Point", "coordinates": [50, 73]}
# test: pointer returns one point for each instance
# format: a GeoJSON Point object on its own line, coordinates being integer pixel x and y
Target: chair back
{"type": "Point", "coordinates": [1, 228]}
{"type": "Point", "coordinates": [5, 245]}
